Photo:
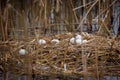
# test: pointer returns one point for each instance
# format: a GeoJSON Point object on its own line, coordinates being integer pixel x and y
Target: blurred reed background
{"type": "Point", "coordinates": [21, 19]}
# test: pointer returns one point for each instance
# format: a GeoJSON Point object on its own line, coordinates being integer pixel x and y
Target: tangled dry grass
{"type": "Point", "coordinates": [98, 56]}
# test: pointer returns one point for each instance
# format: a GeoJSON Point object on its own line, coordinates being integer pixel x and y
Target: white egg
{"type": "Point", "coordinates": [56, 41]}
{"type": "Point", "coordinates": [22, 51]}
{"type": "Point", "coordinates": [84, 41]}
{"type": "Point", "coordinates": [42, 41]}
{"type": "Point", "coordinates": [72, 40]}
{"type": "Point", "coordinates": [78, 41]}
{"type": "Point", "coordinates": [78, 37]}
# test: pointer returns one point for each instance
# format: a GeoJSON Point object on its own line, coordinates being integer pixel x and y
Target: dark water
{"type": "Point", "coordinates": [38, 77]}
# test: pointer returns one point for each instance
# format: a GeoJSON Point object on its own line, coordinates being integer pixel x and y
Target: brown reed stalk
{"type": "Point", "coordinates": [80, 25]}
{"type": "Point", "coordinates": [2, 30]}
{"type": "Point", "coordinates": [45, 16]}
{"type": "Point", "coordinates": [76, 18]}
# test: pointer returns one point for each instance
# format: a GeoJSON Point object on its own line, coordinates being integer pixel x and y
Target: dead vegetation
{"type": "Point", "coordinates": [23, 23]}
{"type": "Point", "coordinates": [96, 58]}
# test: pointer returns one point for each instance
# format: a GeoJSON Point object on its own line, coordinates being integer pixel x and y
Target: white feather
{"type": "Point", "coordinates": [42, 41]}
{"type": "Point", "coordinates": [56, 41]}
{"type": "Point", "coordinates": [65, 67]}
{"type": "Point", "coordinates": [22, 51]}
{"type": "Point", "coordinates": [72, 40]}
{"type": "Point", "coordinates": [84, 41]}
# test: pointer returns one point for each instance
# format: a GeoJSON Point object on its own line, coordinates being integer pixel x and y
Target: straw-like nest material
{"type": "Point", "coordinates": [50, 58]}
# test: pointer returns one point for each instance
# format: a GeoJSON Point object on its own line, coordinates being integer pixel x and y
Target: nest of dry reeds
{"type": "Point", "coordinates": [63, 58]}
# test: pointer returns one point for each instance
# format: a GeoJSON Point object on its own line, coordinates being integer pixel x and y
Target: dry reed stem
{"type": "Point", "coordinates": [80, 25]}
{"type": "Point", "coordinates": [51, 58]}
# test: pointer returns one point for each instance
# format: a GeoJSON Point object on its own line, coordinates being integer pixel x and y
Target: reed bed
{"type": "Point", "coordinates": [23, 23]}
{"type": "Point", "coordinates": [96, 58]}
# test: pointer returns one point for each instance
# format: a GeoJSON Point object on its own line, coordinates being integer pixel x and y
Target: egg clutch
{"type": "Point", "coordinates": [62, 54]}
{"type": "Point", "coordinates": [74, 40]}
